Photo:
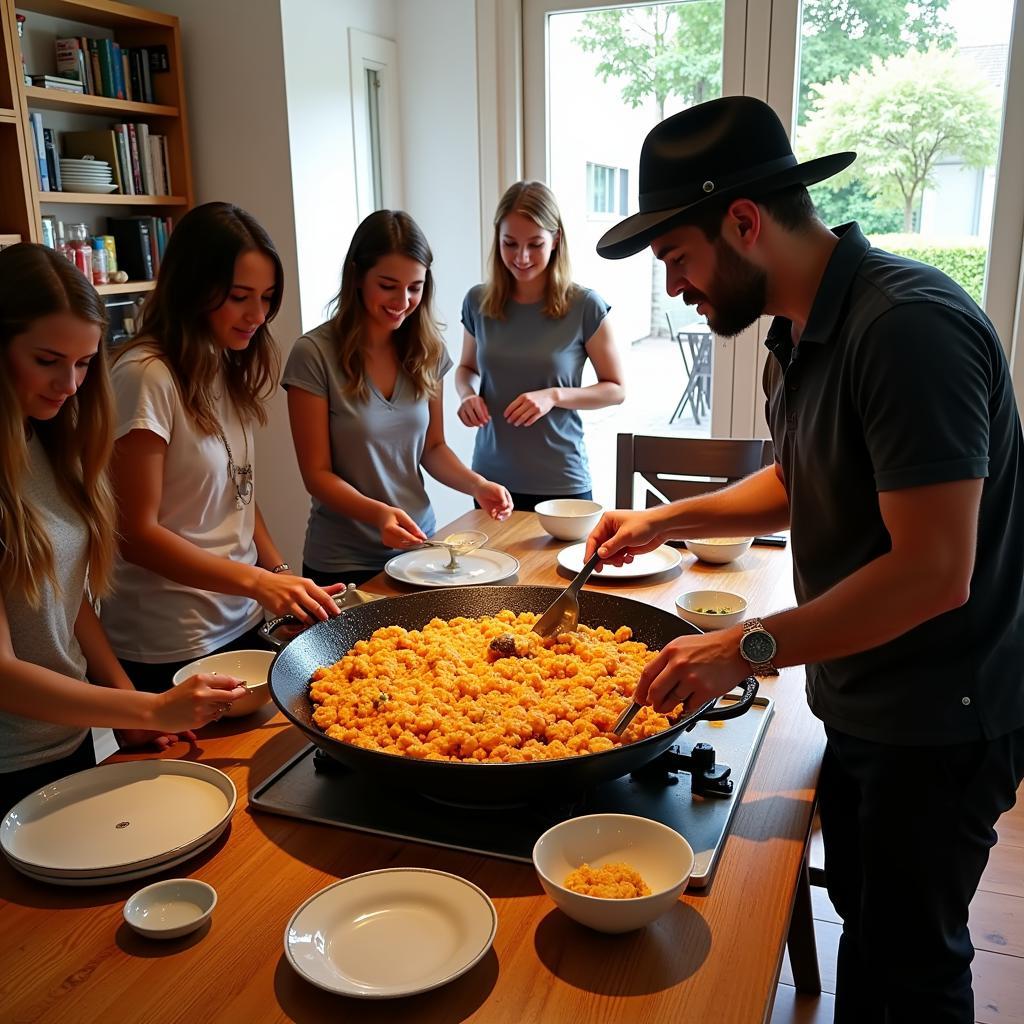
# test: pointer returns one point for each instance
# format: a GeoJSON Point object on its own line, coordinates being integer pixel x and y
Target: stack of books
{"type": "Point", "coordinates": [104, 68]}
{"type": "Point", "coordinates": [140, 243]}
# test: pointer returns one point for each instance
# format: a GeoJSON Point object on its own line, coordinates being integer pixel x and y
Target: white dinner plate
{"type": "Point", "coordinates": [75, 161]}
{"type": "Point", "coordinates": [120, 876]}
{"type": "Point", "coordinates": [123, 817]}
{"type": "Point", "coordinates": [87, 179]}
{"type": "Point", "coordinates": [390, 933]}
{"type": "Point", "coordinates": [83, 187]}
{"type": "Point", "coordinates": [425, 567]}
{"type": "Point", "coordinates": [659, 560]}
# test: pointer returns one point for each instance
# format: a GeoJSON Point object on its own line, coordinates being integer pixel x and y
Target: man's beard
{"type": "Point", "coordinates": [738, 292]}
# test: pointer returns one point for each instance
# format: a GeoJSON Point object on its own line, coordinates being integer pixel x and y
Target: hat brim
{"type": "Point", "coordinates": [637, 232]}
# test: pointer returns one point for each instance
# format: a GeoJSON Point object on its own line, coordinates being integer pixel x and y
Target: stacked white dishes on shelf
{"type": "Point", "coordinates": [128, 820]}
{"type": "Point", "coordinates": [86, 175]}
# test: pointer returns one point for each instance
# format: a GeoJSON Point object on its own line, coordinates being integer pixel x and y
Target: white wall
{"type": "Point", "coordinates": [316, 68]}
{"type": "Point", "coordinates": [437, 73]}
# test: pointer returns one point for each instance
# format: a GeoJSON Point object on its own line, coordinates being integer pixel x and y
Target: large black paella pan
{"type": "Point", "coordinates": [327, 642]}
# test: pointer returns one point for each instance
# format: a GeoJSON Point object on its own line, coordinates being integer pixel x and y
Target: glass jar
{"type": "Point", "coordinates": [61, 242]}
{"type": "Point", "coordinates": [100, 274]}
{"type": "Point", "coordinates": [81, 249]}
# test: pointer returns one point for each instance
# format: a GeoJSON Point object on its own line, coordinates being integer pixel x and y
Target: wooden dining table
{"type": "Point", "coordinates": [67, 955]}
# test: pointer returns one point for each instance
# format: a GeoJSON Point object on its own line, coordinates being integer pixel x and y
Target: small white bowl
{"type": "Point", "coordinates": [252, 667]}
{"type": "Point", "coordinates": [661, 856]}
{"type": "Point", "coordinates": [171, 908]}
{"type": "Point", "coordinates": [569, 518]}
{"type": "Point", "coordinates": [719, 549]}
{"type": "Point", "coordinates": [734, 608]}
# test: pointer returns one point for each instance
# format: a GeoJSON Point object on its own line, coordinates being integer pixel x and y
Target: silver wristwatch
{"type": "Point", "coordinates": [758, 647]}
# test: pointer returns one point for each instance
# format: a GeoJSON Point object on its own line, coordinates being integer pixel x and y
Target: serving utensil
{"type": "Point", "coordinates": [457, 544]}
{"type": "Point", "coordinates": [563, 614]}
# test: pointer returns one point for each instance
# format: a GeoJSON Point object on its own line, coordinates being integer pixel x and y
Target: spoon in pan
{"type": "Point", "coordinates": [563, 614]}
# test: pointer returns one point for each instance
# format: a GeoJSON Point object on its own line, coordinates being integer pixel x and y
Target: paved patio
{"type": "Point", "coordinates": [655, 378]}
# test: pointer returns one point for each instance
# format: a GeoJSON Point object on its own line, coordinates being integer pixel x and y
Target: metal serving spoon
{"type": "Point", "coordinates": [563, 614]}
{"type": "Point", "coordinates": [457, 544]}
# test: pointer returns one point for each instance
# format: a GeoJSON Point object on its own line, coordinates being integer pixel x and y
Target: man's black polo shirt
{"type": "Point", "coordinates": [898, 381]}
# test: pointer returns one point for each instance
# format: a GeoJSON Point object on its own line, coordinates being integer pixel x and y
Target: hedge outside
{"type": "Point", "coordinates": [962, 261]}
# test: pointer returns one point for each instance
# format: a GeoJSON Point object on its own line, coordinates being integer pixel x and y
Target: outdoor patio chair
{"type": "Point", "coordinates": [695, 350]}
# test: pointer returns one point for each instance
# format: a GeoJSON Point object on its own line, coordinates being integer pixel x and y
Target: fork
{"type": "Point", "coordinates": [563, 614]}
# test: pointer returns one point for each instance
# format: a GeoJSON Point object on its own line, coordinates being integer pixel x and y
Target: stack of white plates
{"type": "Point", "coordinates": [117, 822]}
{"type": "Point", "coordinates": [86, 175]}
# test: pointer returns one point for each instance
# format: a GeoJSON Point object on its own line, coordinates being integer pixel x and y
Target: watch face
{"type": "Point", "coordinates": [758, 647]}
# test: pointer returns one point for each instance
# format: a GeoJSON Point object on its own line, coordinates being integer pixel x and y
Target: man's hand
{"type": "Point", "coordinates": [693, 670]}
{"type": "Point", "coordinates": [620, 535]}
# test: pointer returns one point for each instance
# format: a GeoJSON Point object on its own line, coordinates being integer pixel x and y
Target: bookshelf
{"type": "Point", "coordinates": [23, 202]}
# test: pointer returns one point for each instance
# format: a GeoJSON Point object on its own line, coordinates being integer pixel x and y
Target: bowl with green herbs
{"type": "Point", "coordinates": [711, 609]}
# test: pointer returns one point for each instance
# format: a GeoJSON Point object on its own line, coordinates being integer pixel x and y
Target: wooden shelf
{"type": "Point", "coordinates": [125, 289]}
{"type": "Point", "coordinates": [56, 99]}
{"type": "Point", "coordinates": [110, 199]}
{"type": "Point", "coordinates": [107, 13]}
{"type": "Point", "coordinates": [8, 116]}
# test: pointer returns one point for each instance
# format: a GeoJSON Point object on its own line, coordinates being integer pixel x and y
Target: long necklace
{"type": "Point", "coordinates": [240, 476]}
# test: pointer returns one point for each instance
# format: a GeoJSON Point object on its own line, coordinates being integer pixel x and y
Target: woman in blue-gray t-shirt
{"type": "Point", "coordinates": [529, 331]}
{"type": "Point", "coordinates": [364, 400]}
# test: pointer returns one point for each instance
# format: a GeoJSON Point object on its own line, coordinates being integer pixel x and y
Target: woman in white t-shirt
{"type": "Point", "coordinates": [57, 539]}
{"type": "Point", "coordinates": [198, 565]}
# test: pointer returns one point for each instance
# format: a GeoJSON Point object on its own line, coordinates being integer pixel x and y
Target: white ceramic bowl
{"type": "Point", "coordinates": [171, 908]}
{"type": "Point", "coordinates": [719, 549]}
{"type": "Point", "coordinates": [661, 855]}
{"type": "Point", "coordinates": [252, 667]}
{"type": "Point", "coordinates": [694, 608]}
{"type": "Point", "coordinates": [569, 518]}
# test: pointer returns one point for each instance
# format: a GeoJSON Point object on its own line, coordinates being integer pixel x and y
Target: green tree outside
{"type": "Point", "coordinates": [901, 115]}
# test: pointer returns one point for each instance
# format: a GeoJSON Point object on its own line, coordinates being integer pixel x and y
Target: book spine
{"type": "Point", "coordinates": [90, 85]}
{"type": "Point", "coordinates": [135, 76]}
{"type": "Point", "coordinates": [147, 80]}
{"type": "Point", "coordinates": [168, 189]}
{"type": "Point", "coordinates": [124, 159]}
{"type": "Point", "coordinates": [97, 71]}
{"type": "Point", "coordinates": [146, 159]}
{"type": "Point", "coordinates": [52, 159]}
{"type": "Point", "coordinates": [156, 154]}
{"type": "Point", "coordinates": [115, 70]}
{"type": "Point", "coordinates": [67, 58]}
{"type": "Point", "coordinates": [133, 149]}
{"type": "Point", "coordinates": [147, 249]}
{"type": "Point", "coordinates": [126, 76]}
{"type": "Point", "coordinates": [36, 120]}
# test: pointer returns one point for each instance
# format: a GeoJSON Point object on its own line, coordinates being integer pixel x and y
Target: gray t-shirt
{"type": "Point", "coordinates": [528, 351]}
{"type": "Point", "coordinates": [45, 635]}
{"type": "Point", "coordinates": [376, 446]}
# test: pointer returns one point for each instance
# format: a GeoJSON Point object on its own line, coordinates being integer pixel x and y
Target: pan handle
{"type": "Point", "coordinates": [348, 598]}
{"type": "Point", "coordinates": [731, 710]}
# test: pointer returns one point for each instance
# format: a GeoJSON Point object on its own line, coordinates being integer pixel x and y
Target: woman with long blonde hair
{"type": "Point", "coordinates": [57, 538]}
{"type": "Point", "coordinates": [529, 332]}
{"type": "Point", "coordinates": [365, 403]}
{"type": "Point", "coordinates": [198, 564]}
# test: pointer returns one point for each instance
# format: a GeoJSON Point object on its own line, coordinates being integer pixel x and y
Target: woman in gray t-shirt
{"type": "Point", "coordinates": [529, 331]}
{"type": "Point", "coordinates": [364, 400]}
{"type": "Point", "coordinates": [57, 532]}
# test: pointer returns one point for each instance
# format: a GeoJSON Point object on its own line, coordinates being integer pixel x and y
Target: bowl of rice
{"type": "Point", "coordinates": [719, 550]}
{"type": "Point", "coordinates": [613, 872]}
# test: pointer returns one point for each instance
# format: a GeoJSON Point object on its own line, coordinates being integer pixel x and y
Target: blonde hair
{"type": "Point", "coordinates": [36, 282]}
{"type": "Point", "coordinates": [418, 340]}
{"type": "Point", "coordinates": [535, 200]}
{"type": "Point", "coordinates": [195, 278]}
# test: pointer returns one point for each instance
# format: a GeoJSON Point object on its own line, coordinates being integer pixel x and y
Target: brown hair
{"type": "Point", "coordinates": [535, 200]}
{"type": "Point", "coordinates": [418, 340]}
{"type": "Point", "coordinates": [195, 278]}
{"type": "Point", "coordinates": [36, 282]}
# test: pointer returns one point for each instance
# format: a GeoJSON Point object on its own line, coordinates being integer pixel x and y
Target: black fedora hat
{"type": "Point", "coordinates": [734, 146]}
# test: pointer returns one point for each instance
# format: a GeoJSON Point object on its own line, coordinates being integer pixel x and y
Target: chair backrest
{"type": "Point", "coordinates": [671, 468]}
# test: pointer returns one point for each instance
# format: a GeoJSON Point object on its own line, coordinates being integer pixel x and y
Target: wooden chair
{"type": "Point", "coordinates": [671, 468]}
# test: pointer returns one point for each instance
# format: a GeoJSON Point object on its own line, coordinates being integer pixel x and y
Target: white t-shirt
{"type": "Point", "coordinates": [150, 618]}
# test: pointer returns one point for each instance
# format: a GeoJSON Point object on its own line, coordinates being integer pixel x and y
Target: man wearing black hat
{"type": "Point", "coordinates": [900, 471]}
